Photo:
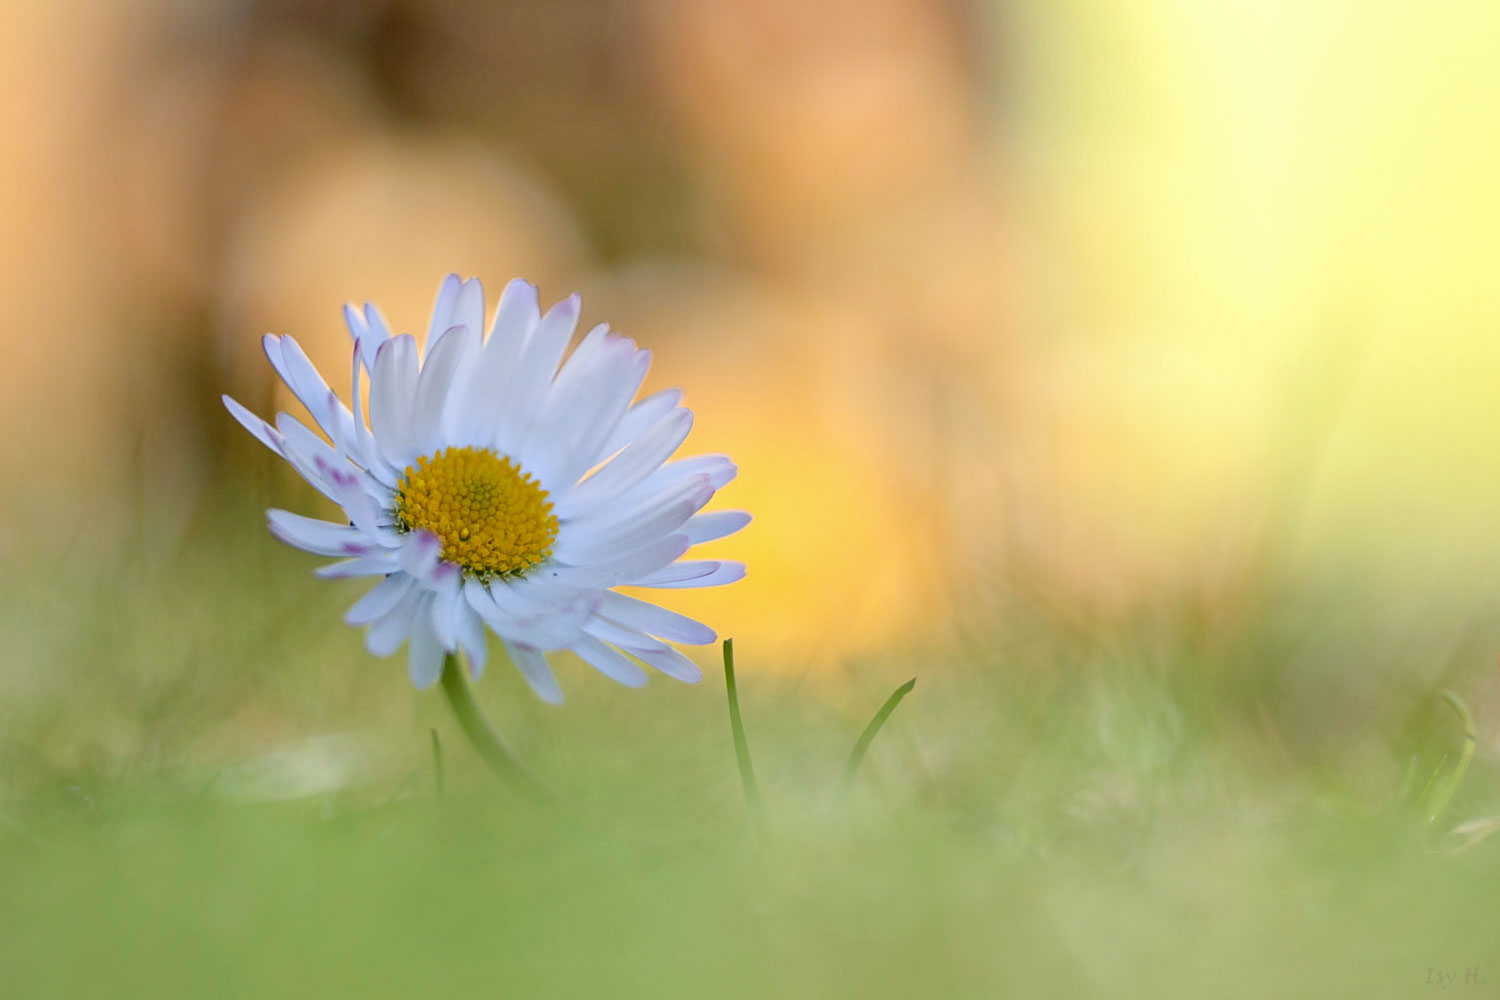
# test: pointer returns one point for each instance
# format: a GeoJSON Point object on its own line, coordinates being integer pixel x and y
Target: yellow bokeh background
{"type": "Point", "coordinates": [1091, 301]}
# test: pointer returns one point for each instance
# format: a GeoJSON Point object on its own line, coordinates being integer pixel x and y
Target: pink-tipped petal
{"type": "Point", "coordinates": [321, 538]}
{"type": "Point", "coordinates": [262, 431]}
{"type": "Point", "coordinates": [442, 311]}
{"type": "Point", "coordinates": [419, 555]}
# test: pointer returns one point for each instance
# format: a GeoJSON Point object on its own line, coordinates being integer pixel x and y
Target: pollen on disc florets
{"type": "Point", "coordinates": [493, 519]}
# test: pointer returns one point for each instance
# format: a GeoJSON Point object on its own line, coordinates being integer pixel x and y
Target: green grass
{"type": "Point", "coordinates": [207, 789]}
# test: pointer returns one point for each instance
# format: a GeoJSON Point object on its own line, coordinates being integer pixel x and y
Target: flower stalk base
{"type": "Point", "coordinates": [484, 737]}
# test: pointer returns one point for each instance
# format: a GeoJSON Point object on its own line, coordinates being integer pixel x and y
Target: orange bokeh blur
{"type": "Point", "coordinates": [981, 299]}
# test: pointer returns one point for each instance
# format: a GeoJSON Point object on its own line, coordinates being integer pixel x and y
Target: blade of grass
{"type": "Point", "coordinates": [741, 745]}
{"type": "Point", "coordinates": [863, 744]}
{"type": "Point", "coordinates": [1425, 795]}
{"type": "Point", "coordinates": [437, 760]}
{"type": "Point", "coordinates": [1442, 791]}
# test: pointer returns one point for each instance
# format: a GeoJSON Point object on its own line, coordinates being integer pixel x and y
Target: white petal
{"type": "Point", "coordinates": [609, 661]}
{"type": "Point", "coordinates": [375, 319]}
{"type": "Point", "coordinates": [619, 543]}
{"type": "Point", "coordinates": [419, 555]}
{"type": "Point", "coordinates": [624, 514]}
{"type": "Point", "coordinates": [727, 572]}
{"type": "Point", "coordinates": [517, 314]}
{"type": "Point", "coordinates": [263, 431]}
{"type": "Point", "coordinates": [368, 329]}
{"type": "Point", "coordinates": [509, 622]}
{"type": "Point", "coordinates": [653, 620]}
{"type": "Point", "coordinates": [445, 604]}
{"type": "Point", "coordinates": [636, 565]}
{"type": "Point", "coordinates": [393, 387]}
{"type": "Point", "coordinates": [322, 538]}
{"type": "Point", "coordinates": [678, 573]}
{"type": "Point", "coordinates": [271, 345]}
{"type": "Point", "coordinates": [375, 564]}
{"type": "Point", "coordinates": [442, 311]}
{"type": "Point", "coordinates": [554, 630]}
{"type": "Point", "coordinates": [715, 524]}
{"type": "Point", "coordinates": [468, 308]}
{"type": "Point", "coordinates": [444, 359]}
{"type": "Point", "coordinates": [672, 663]}
{"type": "Point", "coordinates": [344, 441]}
{"type": "Point", "coordinates": [308, 446]}
{"type": "Point", "coordinates": [539, 359]}
{"type": "Point", "coordinates": [539, 615]}
{"type": "Point", "coordinates": [655, 652]}
{"type": "Point", "coordinates": [639, 419]}
{"type": "Point", "coordinates": [533, 666]}
{"type": "Point", "coordinates": [578, 385]}
{"type": "Point", "coordinates": [579, 416]}
{"type": "Point", "coordinates": [386, 635]}
{"type": "Point", "coordinates": [308, 386]}
{"type": "Point", "coordinates": [380, 332]}
{"type": "Point", "coordinates": [715, 469]}
{"type": "Point", "coordinates": [619, 635]}
{"type": "Point", "coordinates": [303, 449]}
{"type": "Point", "coordinates": [349, 493]}
{"type": "Point", "coordinates": [720, 469]}
{"type": "Point", "coordinates": [583, 356]}
{"type": "Point", "coordinates": [380, 600]}
{"type": "Point", "coordinates": [639, 459]}
{"type": "Point", "coordinates": [471, 635]}
{"type": "Point", "coordinates": [484, 392]}
{"type": "Point", "coordinates": [370, 456]}
{"type": "Point", "coordinates": [424, 651]}
{"type": "Point", "coordinates": [355, 321]}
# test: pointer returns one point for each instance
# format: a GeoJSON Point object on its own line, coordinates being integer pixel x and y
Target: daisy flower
{"type": "Point", "coordinates": [499, 486]}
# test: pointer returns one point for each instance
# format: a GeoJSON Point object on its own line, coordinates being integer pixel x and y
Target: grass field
{"type": "Point", "coordinates": [208, 789]}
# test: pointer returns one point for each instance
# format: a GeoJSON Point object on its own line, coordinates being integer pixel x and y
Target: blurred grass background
{"type": "Point", "coordinates": [1124, 372]}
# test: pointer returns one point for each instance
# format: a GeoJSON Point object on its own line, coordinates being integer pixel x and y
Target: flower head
{"type": "Point", "coordinates": [500, 486]}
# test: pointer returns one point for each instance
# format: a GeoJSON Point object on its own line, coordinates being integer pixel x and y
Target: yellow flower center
{"type": "Point", "coordinates": [494, 519]}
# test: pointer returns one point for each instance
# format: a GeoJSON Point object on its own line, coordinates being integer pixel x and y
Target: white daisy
{"type": "Point", "coordinates": [499, 486]}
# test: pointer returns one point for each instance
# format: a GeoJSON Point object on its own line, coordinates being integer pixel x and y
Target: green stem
{"type": "Point", "coordinates": [1441, 793]}
{"type": "Point", "coordinates": [741, 746]}
{"type": "Point", "coordinates": [488, 742]}
{"type": "Point", "coordinates": [863, 743]}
